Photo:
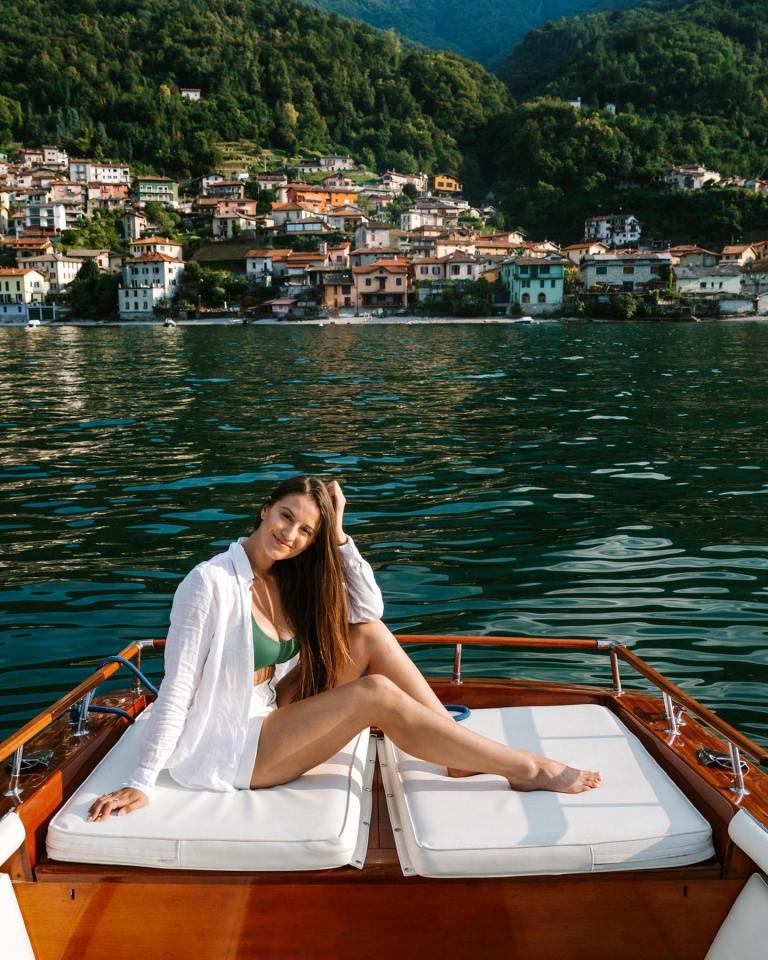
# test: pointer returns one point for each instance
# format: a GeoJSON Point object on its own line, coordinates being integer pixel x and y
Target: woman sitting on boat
{"type": "Point", "coordinates": [297, 585]}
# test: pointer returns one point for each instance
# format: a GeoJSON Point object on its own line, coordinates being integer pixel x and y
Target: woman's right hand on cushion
{"type": "Point", "coordinates": [122, 801]}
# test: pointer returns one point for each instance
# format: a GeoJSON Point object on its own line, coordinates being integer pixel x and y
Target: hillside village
{"type": "Point", "coordinates": [325, 238]}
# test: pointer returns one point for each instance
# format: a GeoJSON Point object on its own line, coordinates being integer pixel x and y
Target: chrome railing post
{"type": "Point", "coordinates": [738, 776]}
{"type": "Point", "coordinates": [82, 720]}
{"type": "Point", "coordinates": [13, 785]}
{"type": "Point", "coordinates": [672, 717]}
{"type": "Point", "coordinates": [615, 673]}
{"type": "Point", "coordinates": [456, 678]}
{"type": "Point", "coordinates": [136, 681]}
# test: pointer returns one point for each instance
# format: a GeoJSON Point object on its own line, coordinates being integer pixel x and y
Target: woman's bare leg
{"type": "Point", "coordinates": [374, 649]}
{"type": "Point", "coordinates": [300, 735]}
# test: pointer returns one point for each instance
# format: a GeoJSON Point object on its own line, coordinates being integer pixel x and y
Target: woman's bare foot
{"type": "Point", "coordinates": [558, 778]}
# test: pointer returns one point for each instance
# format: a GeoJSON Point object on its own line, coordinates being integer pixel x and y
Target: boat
{"type": "Point", "coordinates": [33, 322]}
{"type": "Point", "coordinates": [378, 854]}
{"type": "Point", "coordinates": [169, 322]}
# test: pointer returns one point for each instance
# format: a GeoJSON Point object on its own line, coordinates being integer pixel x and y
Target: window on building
{"type": "Point", "coordinates": [526, 298]}
{"type": "Point", "coordinates": [542, 298]}
{"type": "Point", "coordinates": [455, 270]}
{"type": "Point", "coordinates": [525, 283]}
{"type": "Point", "coordinates": [367, 281]}
{"type": "Point", "coordinates": [435, 271]}
{"type": "Point", "coordinates": [601, 271]}
{"type": "Point", "coordinates": [552, 283]}
{"type": "Point", "coordinates": [628, 270]}
{"type": "Point", "coordinates": [543, 269]}
{"type": "Point", "coordinates": [399, 282]}
{"type": "Point", "coordinates": [703, 285]}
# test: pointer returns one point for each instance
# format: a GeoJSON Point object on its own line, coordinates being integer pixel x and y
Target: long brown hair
{"type": "Point", "coordinates": [313, 595]}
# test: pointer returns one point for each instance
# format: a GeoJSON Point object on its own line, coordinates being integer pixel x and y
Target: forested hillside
{"type": "Point", "coordinates": [690, 84]}
{"type": "Point", "coordinates": [483, 31]}
{"type": "Point", "coordinates": [99, 78]}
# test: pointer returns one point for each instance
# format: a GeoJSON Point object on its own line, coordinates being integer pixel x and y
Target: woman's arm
{"type": "Point", "coordinates": [186, 647]}
{"type": "Point", "coordinates": [363, 594]}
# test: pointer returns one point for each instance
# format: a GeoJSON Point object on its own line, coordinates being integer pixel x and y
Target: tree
{"type": "Point", "coordinates": [92, 295]}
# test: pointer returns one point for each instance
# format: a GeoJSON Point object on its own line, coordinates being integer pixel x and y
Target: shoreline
{"type": "Point", "coordinates": [408, 320]}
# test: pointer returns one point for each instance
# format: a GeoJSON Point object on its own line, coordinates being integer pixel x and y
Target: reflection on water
{"type": "Point", "coordinates": [574, 480]}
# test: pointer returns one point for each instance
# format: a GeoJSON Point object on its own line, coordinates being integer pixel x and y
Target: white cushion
{"type": "Point", "coordinates": [15, 942]}
{"type": "Point", "coordinates": [745, 930]}
{"type": "Point", "coordinates": [312, 823]}
{"type": "Point", "coordinates": [751, 836]}
{"type": "Point", "coordinates": [478, 826]}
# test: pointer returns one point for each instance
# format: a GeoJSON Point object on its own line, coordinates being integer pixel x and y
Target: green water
{"type": "Point", "coordinates": [579, 480]}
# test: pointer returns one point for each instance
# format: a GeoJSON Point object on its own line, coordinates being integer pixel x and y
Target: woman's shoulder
{"type": "Point", "coordinates": [208, 577]}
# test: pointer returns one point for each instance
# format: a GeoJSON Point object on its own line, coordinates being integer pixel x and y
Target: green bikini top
{"type": "Point", "coordinates": [267, 651]}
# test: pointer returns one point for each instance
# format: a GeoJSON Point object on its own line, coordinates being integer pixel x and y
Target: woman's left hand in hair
{"type": "Point", "coordinates": [339, 502]}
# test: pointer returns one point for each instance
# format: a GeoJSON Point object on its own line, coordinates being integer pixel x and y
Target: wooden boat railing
{"type": "Point", "coordinates": [676, 701]}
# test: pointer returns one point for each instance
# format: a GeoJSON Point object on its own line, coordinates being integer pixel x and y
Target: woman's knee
{"type": "Point", "coordinates": [379, 693]}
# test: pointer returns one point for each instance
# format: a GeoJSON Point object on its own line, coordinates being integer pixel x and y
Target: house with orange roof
{"type": "Point", "coordinates": [364, 256]}
{"type": "Point", "coordinates": [739, 253]}
{"type": "Point", "coordinates": [690, 255]}
{"type": "Point", "coordinates": [434, 274]}
{"type": "Point", "coordinates": [321, 199]}
{"type": "Point", "coordinates": [291, 212]}
{"type": "Point", "coordinates": [155, 244]}
{"type": "Point", "coordinates": [346, 218]}
{"type": "Point", "coordinates": [28, 245]}
{"type": "Point", "coordinates": [381, 284]}
{"type": "Point", "coordinates": [263, 264]}
{"type": "Point", "coordinates": [576, 252]}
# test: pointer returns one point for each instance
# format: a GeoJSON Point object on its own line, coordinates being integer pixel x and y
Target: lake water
{"type": "Point", "coordinates": [575, 480]}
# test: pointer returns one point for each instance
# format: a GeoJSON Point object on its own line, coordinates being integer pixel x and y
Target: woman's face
{"type": "Point", "coordinates": [289, 525]}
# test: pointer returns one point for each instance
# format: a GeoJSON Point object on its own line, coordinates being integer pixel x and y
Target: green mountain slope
{"type": "Point", "coordinates": [100, 79]}
{"type": "Point", "coordinates": [483, 31]}
{"type": "Point", "coordinates": [690, 85]}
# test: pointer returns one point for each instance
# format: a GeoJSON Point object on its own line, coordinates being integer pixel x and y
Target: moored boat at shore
{"type": "Point", "coordinates": [392, 857]}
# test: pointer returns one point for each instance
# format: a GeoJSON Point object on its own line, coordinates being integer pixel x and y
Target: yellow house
{"type": "Point", "coordinates": [443, 183]}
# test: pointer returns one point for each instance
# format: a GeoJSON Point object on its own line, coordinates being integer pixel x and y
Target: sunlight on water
{"type": "Point", "coordinates": [565, 480]}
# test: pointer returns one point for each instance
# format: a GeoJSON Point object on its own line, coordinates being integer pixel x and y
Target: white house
{"type": "Point", "coordinates": [330, 161]}
{"type": "Point", "coordinates": [86, 171]}
{"type": "Point", "coordinates": [55, 157]}
{"type": "Point", "coordinates": [626, 271]}
{"type": "Point", "coordinates": [18, 288]}
{"type": "Point", "coordinates": [134, 224]}
{"type": "Point", "coordinates": [709, 281]}
{"type": "Point", "coordinates": [146, 281]}
{"type": "Point", "coordinates": [44, 216]}
{"type": "Point", "coordinates": [59, 271]}
{"type": "Point", "coordinates": [190, 93]}
{"type": "Point", "coordinates": [577, 252]}
{"type": "Point", "coordinates": [614, 229]}
{"type": "Point", "coordinates": [263, 264]}
{"type": "Point", "coordinates": [754, 278]}
{"type": "Point", "coordinates": [375, 233]}
{"type": "Point", "coordinates": [690, 176]}
{"type": "Point", "coordinates": [140, 248]}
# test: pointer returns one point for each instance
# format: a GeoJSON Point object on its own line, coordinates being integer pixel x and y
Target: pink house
{"type": "Point", "coordinates": [381, 284]}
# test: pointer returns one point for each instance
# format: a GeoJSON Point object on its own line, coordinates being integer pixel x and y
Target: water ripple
{"type": "Point", "coordinates": [609, 488]}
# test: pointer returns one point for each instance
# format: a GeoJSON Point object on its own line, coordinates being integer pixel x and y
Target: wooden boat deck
{"type": "Point", "coordinates": [93, 912]}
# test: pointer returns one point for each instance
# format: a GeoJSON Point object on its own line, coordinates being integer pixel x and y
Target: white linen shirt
{"type": "Point", "coordinates": [198, 723]}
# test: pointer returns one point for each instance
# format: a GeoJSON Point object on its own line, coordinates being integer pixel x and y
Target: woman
{"type": "Point", "coordinates": [297, 585]}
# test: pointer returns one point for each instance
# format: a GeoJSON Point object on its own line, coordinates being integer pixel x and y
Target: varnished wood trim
{"type": "Point", "coordinates": [39, 723]}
